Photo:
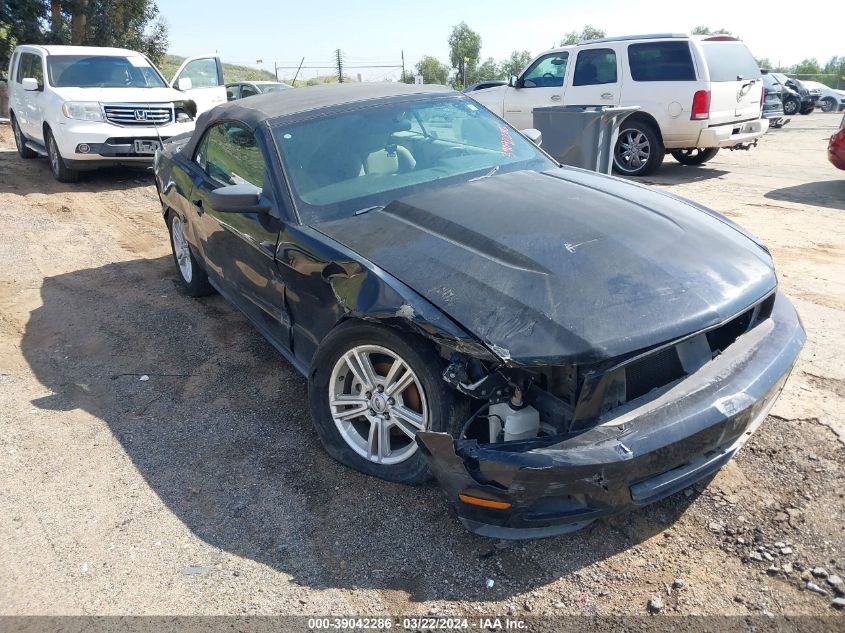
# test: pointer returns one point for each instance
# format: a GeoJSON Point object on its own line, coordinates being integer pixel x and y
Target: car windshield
{"type": "Point", "coordinates": [102, 71]}
{"type": "Point", "coordinates": [345, 162]}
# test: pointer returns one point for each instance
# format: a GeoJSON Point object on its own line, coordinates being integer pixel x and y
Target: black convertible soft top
{"type": "Point", "coordinates": [254, 110]}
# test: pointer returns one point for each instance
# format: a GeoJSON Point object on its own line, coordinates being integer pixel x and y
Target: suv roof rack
{"type": "Point", "coordinates": [652, 36]}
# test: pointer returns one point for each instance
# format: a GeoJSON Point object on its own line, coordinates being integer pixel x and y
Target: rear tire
{"type": "Point", "coordinates": [194, 279]}
{"type": "Point", "coordinates": [695, 156]}
{"type": "Point", "coordinates": [355, 440]}
{"type": "Point", "coordinates": [808, 109]}
{"type": "Point", "coordinates": [828, 104]}
{"type": "Point", "coordinates": [791, 106]}
{"type": "Point", "coordinates": [638, 150]}
{"type": "Point", "coordinates": [20, 141]}
{"type": "Point", "coordinates": [57, 163]}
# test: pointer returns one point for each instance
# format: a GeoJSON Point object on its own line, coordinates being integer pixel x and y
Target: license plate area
{"type": "Point", "coordinates": [146, 147]}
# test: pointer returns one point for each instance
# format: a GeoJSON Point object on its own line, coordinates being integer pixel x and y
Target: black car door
{"type": "Point", "coordinates": [239, 248]}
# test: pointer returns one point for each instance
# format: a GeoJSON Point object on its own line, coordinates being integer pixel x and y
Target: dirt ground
{"type": "Point", "coordinates": [157, 457]}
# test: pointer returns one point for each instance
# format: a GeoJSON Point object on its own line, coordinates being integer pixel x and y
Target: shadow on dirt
{"type": "Point", "coordinates": [221, 433]}
{"type": "Point", "coordinates": [39, 179]}
{"type": "Point", "coordinates": [673, 173]}
{"type": "Point", "coordinates": [826, 193]}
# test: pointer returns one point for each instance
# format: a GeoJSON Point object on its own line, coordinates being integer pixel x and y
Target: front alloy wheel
{"type": "Point", "coordinates": [377, 404]}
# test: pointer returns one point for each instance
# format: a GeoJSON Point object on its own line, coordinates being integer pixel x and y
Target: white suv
{"type": "Point", "coordinates": [696, 95]}
{"type": "Point", "coordinates": [87, 107]}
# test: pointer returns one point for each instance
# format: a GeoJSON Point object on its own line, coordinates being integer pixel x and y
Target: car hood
{"type": "Point", "coordinates": [566, 265]}
{"type": "Point", "coordinates": [121, 95]}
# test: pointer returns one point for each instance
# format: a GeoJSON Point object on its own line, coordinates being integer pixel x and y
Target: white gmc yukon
{"type": "Point", "coordinates": [86, 107]}
{"type": "Point", "coordinates": [696, 95]}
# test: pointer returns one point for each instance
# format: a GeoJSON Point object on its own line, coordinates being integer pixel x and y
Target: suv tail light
{"type": "Point", "coordinates": [700, 106]}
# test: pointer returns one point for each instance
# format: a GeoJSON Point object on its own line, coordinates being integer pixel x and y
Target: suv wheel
{"type": "Point", "coordinates": [57, 163]}
{"type": "Point", "coordinates": [638, 150]}
{"type": "Point", "coordinates": [20, 141]}
{"type": "Point", "coordinates": [371, 390]}
{"type": "Point", "coordinates": [695, 156]}
{"type": "Point", "coordinates": [791, 106]}
{"type": "Point", "coordinates": [828, 104]}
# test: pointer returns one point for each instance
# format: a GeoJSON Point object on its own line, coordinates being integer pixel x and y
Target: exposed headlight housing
{"type": "Point", "coordinates": [185, 111]}
{"type": "Point", "coordinates": [83, 110]}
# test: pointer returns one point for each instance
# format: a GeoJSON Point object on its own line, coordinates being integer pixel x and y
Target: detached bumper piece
{"type": "Point", "coordinates": [652, 447]}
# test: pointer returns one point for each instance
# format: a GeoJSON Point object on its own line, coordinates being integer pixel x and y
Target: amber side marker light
{"type": "Point", "coordinates": [484, 503]}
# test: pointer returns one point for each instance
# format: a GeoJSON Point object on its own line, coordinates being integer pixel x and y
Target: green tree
{"type": "Point", "coordinates": [464, 49]}
{"type": "Point", "coordinates": [489, 69]}
{"type": "Point", "coordinates": [21, 21]}
{"type": "Point", "coordinates": [589, 32]}
{"type": "Point", "coordinates": [514, 64]}
{"type": "Point", "coordinates": [765, 63]}
{"type": "Point", "coordinates": [433, 71]}
{"type": "Point", "coordinates": [808, 69]}
{"type": "Point", "coordinates": [706, 30]}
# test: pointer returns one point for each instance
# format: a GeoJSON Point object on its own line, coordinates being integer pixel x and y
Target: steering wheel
{"type": "Point", "coordinates": [548, 76]}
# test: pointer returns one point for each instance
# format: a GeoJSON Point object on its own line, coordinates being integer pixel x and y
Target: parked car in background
{"type": "Point", "coordinates": [836, 147]}
{"type": "Point", "coordinates": [696, 95]}
{"type": "Point", "coordinates": [483, 85]}
{"type": "Point", "coordinates": [241, 89]}
{"type": "Point", "coordinates": [797, 100]}
{"type": "Point", "coordinates": [554, 345]}
{"type": "Point", "coordinates": [829, 99]}
{"type": "Point", "coordinates": [773, 102]}
{"type": "Point", "coordinates": [86, 107]}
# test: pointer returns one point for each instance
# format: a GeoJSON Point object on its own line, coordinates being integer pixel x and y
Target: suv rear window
{"type": "Point", "coordinates": [661, 61]}
{"type": "Point", "coordinates": [730, 61]}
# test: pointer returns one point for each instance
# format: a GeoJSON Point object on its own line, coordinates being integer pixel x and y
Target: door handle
{"type": "Point", "coordinates": [607, 95]}
{"type": "Point", "coordinates": [555, 97]}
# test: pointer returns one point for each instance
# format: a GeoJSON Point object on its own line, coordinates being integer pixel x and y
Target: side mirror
{"type": "Point", "coordinates": [184, 83]}
{"type": "Point", "coordinates": [30, 84]}
{"type": "Point", "coordinates": [243, 198]}
{"type": "Point", "coordinates": [513, 80]}
{"type": "Point", "coordinates": [535, 136]}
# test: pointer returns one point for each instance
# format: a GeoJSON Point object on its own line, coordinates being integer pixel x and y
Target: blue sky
{"type": "Point", "coordinates": [376, 31]}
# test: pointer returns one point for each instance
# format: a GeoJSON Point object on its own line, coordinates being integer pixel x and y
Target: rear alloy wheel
{"type": "Point", "coordinates": [695, 156]}
{"type": "Point", "coordinates": [828, 104]}
{"type": "Point", "coordinates": [57, 163]}
{"type": "Point", "coordinates": [791, 106]}
{"type": "Point", "coordinates": [372, 390]}
{"type": "Point", "coordinates": [638, 151]}
{"type": "Point", "coordinates": [20, 141]}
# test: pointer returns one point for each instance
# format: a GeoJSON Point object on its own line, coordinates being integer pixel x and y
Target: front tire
{"type": "Point", "coordinates": [828, 104]}
{"type": "Point", "coordinates": [20, 141]}
{"type": "Point", "coordinates": [695, 156]}
{"type": "Point", "coordinates": [808, 109]}
{"type": "Point", "coordinates": [57, 163]}
{"type": "Point", "coordinates": [372, 389]}
{"type": "Point", "coordinates": [194, 279]}
{"type": "Point", "coordinates": [791, 106]}
{"type": "Point", "coordinates": [638, 150]}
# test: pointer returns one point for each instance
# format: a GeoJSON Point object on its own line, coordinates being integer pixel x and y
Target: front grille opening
{"type": "Point", "coordinates": [652, 372]}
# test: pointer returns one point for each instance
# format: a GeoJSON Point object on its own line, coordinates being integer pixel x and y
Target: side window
{"type": "Point", "coordinates": [546, 72]}
{"type": "Point", "coordinates": [201, 72]}
{"type": "Point", "coordinates": [230, 155]}
{"type": "Point", "coordinates": [36, 70]}
{"type": "Point", "coordinates": [23, 67]}
{"type": "Point", "coordinates": [13, 69]}
{"type": "Point", "coordinates": [661, 61]}
{"type": "Point", "coordinates": [248, 91]}
{"type": "Point", "coordinates": [232, 92]}
{"type": "Point", "coordinates": [595, 66]}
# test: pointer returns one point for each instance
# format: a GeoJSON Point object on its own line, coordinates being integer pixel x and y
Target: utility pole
{"type": "Point", "coordinates": [403, 65]}
{"type": "Point", "coordinates": [339, 58]}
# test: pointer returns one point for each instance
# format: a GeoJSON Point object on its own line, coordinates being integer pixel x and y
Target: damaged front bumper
{"type": "Point", "coordinates": [633, 456]}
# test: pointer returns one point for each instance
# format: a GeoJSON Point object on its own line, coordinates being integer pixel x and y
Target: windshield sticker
{"type": "Point", "coordinates": [506, 140]}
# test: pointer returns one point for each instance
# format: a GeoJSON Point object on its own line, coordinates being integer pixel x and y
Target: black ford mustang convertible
{"type": "Point", "coordinates": [553, 345]}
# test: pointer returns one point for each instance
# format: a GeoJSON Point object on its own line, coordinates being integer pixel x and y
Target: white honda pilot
{"type": "Point", "coordinates": [86, 107]}
{"type": "Point", "coordinates": [695, 95]}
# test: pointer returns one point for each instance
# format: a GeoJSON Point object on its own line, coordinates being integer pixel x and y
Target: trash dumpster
{"type": "Point", "coordinates": [581, 136]}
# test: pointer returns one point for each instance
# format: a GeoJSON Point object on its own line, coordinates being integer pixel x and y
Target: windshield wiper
{"type": "Point", "coordinates": [377, 207]}
{"type": "Point", "coordinates": [487, 175]}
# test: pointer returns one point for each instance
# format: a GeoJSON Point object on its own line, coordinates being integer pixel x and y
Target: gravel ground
{"type": "Point", "coordinates": [157, 455]}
